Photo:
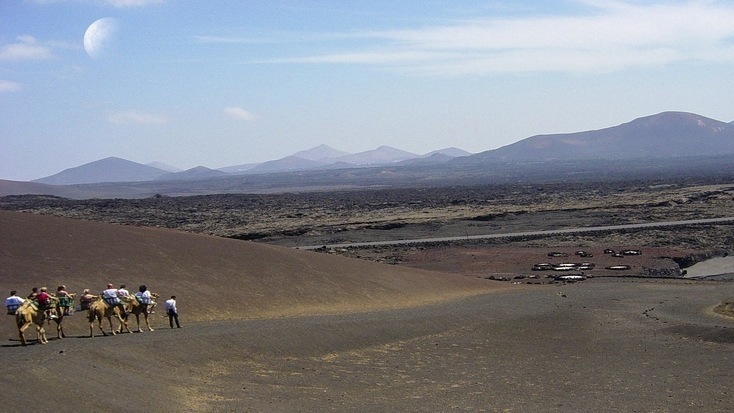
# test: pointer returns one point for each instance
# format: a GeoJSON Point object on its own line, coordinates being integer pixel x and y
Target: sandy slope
{"type": "Point", "coordinates": [601, 345]}
{"type": "Point", "coordinates": [213, 278]}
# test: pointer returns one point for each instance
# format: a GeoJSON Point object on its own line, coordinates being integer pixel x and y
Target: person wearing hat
{"type": "Point", "coordinates": [13, 302]}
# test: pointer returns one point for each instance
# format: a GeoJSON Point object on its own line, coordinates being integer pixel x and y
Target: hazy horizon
{"type": "Point", "coordinates": [228, 83]}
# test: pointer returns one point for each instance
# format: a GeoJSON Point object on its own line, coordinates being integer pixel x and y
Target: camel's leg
{"type": "Point", "coordinates": [100, 321]}
{"type": "Point", "coordinates": [112, 329]}
{"type": "Point", "coordinates": [137, 319]}
{"type": "Point", "coordinates": [123, 322]}
{"type": "Point", "coordinates": [41, 334]}
{"type": "Point", "coordinates": [147, 321]}
{"type": "Point", "coordinates": [60, 328]}
{"type": "Point", "coordinates": [91, 317]}
{"type": "Point", "coordinates": [21, 332]}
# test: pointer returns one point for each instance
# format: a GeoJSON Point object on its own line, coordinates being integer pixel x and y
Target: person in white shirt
{"type": "Point", "coordinates": [110, 295]}
{"type": "Point", "coordinates": [13, 302]}
{"type": "Point", "coordinates": [122, 292]}
{"type": "Point", "coordinates": [146, 298]}
{"type": "Point", "coordinates": [112, 298]}
{"type": "Point", "coordinates": [143, 295]}
{"type": "Point", "coordinates": [172, 311]}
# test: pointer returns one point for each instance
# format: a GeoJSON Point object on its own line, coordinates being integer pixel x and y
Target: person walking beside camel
{"type": "Point", "coordinates": [172, 311]}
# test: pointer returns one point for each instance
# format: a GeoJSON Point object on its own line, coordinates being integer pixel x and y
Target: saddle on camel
{"type": "Point", "coordinates": [64, 301]}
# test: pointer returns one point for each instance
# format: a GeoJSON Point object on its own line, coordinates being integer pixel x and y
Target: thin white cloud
{"type": "Point", "coordinates": [230, 40]}
{"type": "Point", "coordinates": [25, 48]}
{"type": "Point", "coordinates": [8, 86]}
{"type": "Point", "coordinates": [239, 113]}
{"type": "Point", "coordinates": [607, 36]}
{"type": "Point", "coordinates": [135, 117]}
{"type": "Point", "coordinates": [275, 38]}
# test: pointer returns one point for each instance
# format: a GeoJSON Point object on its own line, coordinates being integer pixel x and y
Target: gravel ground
{"type": "Point", "coordinates": [612, 346]}
{"type": "Point", "coordinates": [268, 329]}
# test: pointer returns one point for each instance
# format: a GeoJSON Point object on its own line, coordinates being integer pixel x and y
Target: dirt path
{"type": "Point", "coordinates": [592, 346]}
{"type": "Point", "coordinates": [713, 266]}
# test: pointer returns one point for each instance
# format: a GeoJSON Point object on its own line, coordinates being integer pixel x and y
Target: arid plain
{"type": "Point", "coordinates": [271, 328]}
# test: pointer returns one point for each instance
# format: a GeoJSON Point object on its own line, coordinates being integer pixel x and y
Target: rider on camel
{"type": "Point", "coordinates": [65, 300]}
{"type": "Point", "coordinates": [145, 298]}
{"type": "Point", "coordinates": [45, 303]}
{"type": "Point", "coordinates": [33, 294]}
{"type": "Point", "coordinates": [112, 299]}
{"type": "Point", "coordinates": [86, 299]}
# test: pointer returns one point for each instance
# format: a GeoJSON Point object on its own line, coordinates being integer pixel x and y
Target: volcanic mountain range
{"type": "Point", "coordinates": [115, 169]}
{"type": "Point", "coordinates": [668, 134]}
{"type": "Point", "coordinates": [673, 144]}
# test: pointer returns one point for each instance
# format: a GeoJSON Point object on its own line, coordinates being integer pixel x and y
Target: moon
{"type": "Point", "coordinates": [98, 36]}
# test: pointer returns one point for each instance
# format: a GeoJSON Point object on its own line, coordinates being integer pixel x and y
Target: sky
{"type": "Point", "coordinates": [226, 82]}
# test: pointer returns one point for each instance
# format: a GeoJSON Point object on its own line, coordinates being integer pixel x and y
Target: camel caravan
{"type": "Point", "coordinates": [40, 308]}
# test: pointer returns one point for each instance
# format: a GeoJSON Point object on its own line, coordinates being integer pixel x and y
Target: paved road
{"type": "Point", "coordinates": [707, 221]}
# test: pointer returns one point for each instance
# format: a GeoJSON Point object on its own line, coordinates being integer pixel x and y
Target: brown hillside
{"type": "Point", "coordinates": [605, 344]}
{"type": "Point", "coordinates": [213, 278]}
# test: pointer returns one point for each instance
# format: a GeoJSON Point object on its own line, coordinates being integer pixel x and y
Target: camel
{"type": "Point", "coordinates": [99, 310]}
{"type": "Point", "coordinates": [135, 307]}
{"type": "Point", "coordinates": [28, 314]}
{"type": "Point", "coordinates": [60, 314]}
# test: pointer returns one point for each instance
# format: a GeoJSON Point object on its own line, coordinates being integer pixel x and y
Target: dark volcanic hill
{"type": "Point", "coordinates": [665, 135]}
{"type": "Point", "coordinates": [110, 169]}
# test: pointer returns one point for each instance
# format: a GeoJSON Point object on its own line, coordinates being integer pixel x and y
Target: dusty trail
{"type": "Point", "coordinates": [597, 346]}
